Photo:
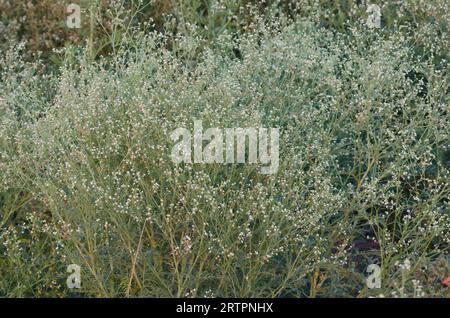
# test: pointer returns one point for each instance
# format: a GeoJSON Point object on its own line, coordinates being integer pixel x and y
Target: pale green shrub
{"type": "Point", "coordinates": [363, 178]}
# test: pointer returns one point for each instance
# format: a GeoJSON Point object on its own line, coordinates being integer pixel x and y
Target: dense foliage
{"type": "Point", "coordinates": [86, 176]}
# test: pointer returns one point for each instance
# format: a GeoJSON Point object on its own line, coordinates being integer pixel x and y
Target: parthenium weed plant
{"type": "Point", "coordinates": [86, 176]}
